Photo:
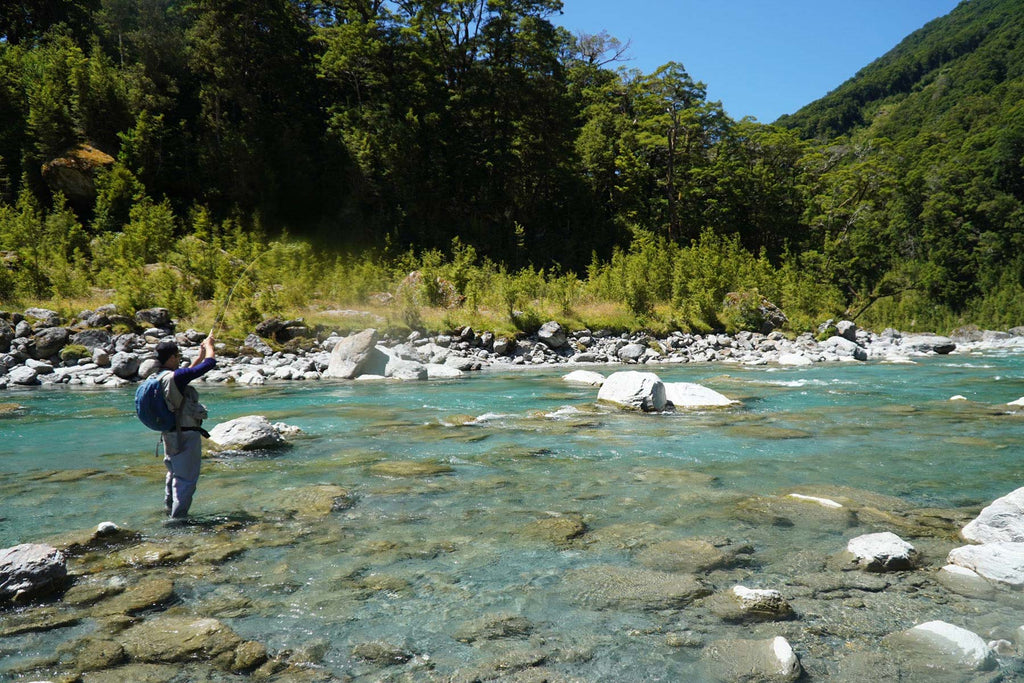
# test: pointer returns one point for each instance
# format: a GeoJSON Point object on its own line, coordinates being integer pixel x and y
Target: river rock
{"type": "Point", "coordinates": [124, 365]}
{"type": "Point", "coordinates": [154, 317]}
{"type": "Point", "coordinates": [442, 371]}
{"type": "Point", "coordinates": [741, 605]}
{"type": "Point", "coordinates": [44, 315]}
{"type": "Point", "coordinates": [881, 552]}
{"type": "Point", "coordinates": [1002, 520]}
{"type": "Point", "coordinates": [843, 347]}
{"type": "Point", "coordinates": [631, 353]}
{"type": "Point", "coordinates": [552, 335]}
{"type": "Point", "coordinates": [23, 376]}
{"type": "Point", "coordinates": [557, 530]}
{"type": "Point", "coordinates": [316, 501]}
{"type": "Point", "coordinates": [794, 359]}
{"type": "Point", "coordinates": [940, 646]}
{"type": "Point", "coordinates": [399, 368]}
{"type": "Point", "coordinates": [753, 661]}
{"type": "Point", "coordinates": [927, 343]}
{"type": "Point", "coordinates": [847, 330]}
{"type": "Point", "coordinates": [409, 468]}
{"type": "Point", "coordinates": [381, 653]}
{"type": "Point", "coordinates": [49, 341]}
{"type": "Point", "coordinates": [609, 586]}
{"type": "Point", "coordinates": [594, 379]}
{"type": "Point", "coordinates": [693, 555]}
{"type": "Point", "coordinates": [966, 582]}
{"type": "Point", "coordinates": [494, 627]}
{"type": "Point", "coordinates": [633, 391]}
{"type": "Point", "coordinates": [149, 367]}
{"type": "Point", "coordinates": [92, 339]}
{"type": "Point", "coordinates": [689, 395]}
{"type": "Point", "coordinates": [6, 335]}
{"type": "Point", "coordinates": [350, 356]}
{"type": "Point", "coordinates": [251, 432]}
{"type": "Point", "coordinates": [30, 569]}
{"type": "Point", "coordinates": [170, 639]}
{"type": "Point", "coordinates": [1001, 562]}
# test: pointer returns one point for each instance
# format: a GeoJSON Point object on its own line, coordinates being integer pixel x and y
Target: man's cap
{"type": "Point", "coordinates": [165, 350]}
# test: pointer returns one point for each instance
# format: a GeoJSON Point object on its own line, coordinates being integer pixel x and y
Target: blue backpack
{"type": "Point", "coordinates": [151, 406]}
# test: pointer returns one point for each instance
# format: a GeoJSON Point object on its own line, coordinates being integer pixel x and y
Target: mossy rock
{"type": "Point", "coordinates": [409, 468]}
{"type": "Point", "coordinates": [74, 352]}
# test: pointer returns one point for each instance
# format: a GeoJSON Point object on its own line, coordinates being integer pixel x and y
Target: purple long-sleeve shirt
{"type": "Point", "coordinates": [182, 376]}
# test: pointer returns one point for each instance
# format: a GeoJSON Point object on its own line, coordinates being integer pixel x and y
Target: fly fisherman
{"type": "Point", "coordinates": [183, 447]}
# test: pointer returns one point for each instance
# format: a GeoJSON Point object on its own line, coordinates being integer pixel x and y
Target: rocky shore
{"type": "Point", "coordinates": [102, 348]}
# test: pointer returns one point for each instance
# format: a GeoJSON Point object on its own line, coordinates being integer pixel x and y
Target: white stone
{"type": "Point", "coordinates": [594, 379]}
{"type": "Point", "coordinates": [794, 359]}
{"type": "Point", "coordinates": [441, 371]}
{"type": "Point", "coordinates": [958, 397]}
{"type": "Point", "coordinates": [946, 640]}
{"type": "Point", "coordinates": [250, 432]}
{"type": "Point", "coordinates": [1002, 520]}
{"type": "Point", "coordinates": [824, 502]}
{"type": "Point", "coordinates": [1018, 402]}
{"type": "Point", "coordinates": [882, 551]}
{"type": "Point", "coordinates": [785, 656]}
{"type": "Point", "coordinates": [634, 391]}
{"type": "Point", "coordinates": [689, 395]}
{"type": "Point", "coordinates": [1001, 562]}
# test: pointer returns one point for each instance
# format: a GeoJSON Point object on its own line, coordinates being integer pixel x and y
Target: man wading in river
{"type": "Point", "coordinates": [183, 447]}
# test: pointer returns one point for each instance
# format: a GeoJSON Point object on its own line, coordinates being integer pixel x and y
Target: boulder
{"type": "Point", "coordinates": [965, 582]}
{"type": "Point", "coordinates": [148, 367]}
{"type": "Point", "coordinates": [154, 317]}
{"type": "Point", "coordinates": [743, 605]}
{"type": "Point", "coordinates": [927, 343]}
{"type": "Point", "coordinates": [847, 330]}
{"type": "Point", "coordinates": [170, 639]}
{"type": "Point", "coordinates": [1002, 520]}
{"type": "Point", "coordinates": [940, 646]}
{"type": "Point", "coordinates": [594, 379]}
{"type": "Point", "coordinates": [694, 555]}
{"type": "Point", "coordinates": [6, 336]}
{"type": "Point", "coordinates": [350, 356]}
{"type": "Point", "coordinates": [689, 395]}
{"type": "Point", "coordinates": [251, 432]}
{"type": "Point", "coordinates": [999, 561]}
{"type": "Point", "coordinates": [552, 335]}
{"type": "Point", "coordinates": [49, 341]}
{"type": "Point", "coordinates": [631, 353]}
{"type": "Point", "coordinates": [44, 315]}
{"type": "Point", "coordinates": [608, 586]}
{"type": "Point", "coordinates": [881, 552]}
{"type": "Point", "coordinates": [72, 174]}
{"type": "Point", "coordinates": [442, 371]}
{"type": "Point", "coordinates": [794, 359]}
{"type": "Point", "coordinates": [503, 345]}
{"type": "Point", "coordinates": [764, 661]}
{"type": "Point", "coordinates": [30, 569]}
{"type": "Point", "coordinates": [124, 364]}
{"type": "Point", "coordinates": [23, 376]}
{"type": "Point", "coordinates": [399, 368]}
{"type": "Point", "coordinates": [633, 391]}
{"type": "Point", "coordinates": [844, 348]}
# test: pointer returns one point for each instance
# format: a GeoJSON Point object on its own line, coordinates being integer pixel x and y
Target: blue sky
{"type": "Point", "coordinates": [761, 58]}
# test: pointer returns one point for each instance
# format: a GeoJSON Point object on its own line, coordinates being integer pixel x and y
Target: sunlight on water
{"type": "Point", "coordinates": [486, 497]}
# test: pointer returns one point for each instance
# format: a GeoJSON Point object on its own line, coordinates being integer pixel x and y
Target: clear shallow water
{"type": "Point", "coordinates": [417, 559]}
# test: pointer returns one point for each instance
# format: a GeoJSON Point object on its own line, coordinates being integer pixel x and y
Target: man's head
{"type": "Point", "coordinates": [165, 350]}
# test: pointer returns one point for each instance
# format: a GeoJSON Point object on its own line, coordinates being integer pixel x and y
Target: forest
{"type": "Point", "coordinates": [150, 150]}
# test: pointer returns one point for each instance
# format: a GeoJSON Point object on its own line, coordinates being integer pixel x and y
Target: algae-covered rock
{"type": "Point", "coordinates": [604, 586]}
{"type": "Point", "coordinates": [694, 555]}
{"type": "Point", "coordinates": [167, 639]}
{"type": "Point", "coordinates": [796, 510]}
{"type": "Point", "coordinates": [494, 627]}
{"type": "Point", "coordinates": [409, 468]}
{"type": "Point", "coordinates": [149, 593]}
{"type": "Point", "coordinates": [557, 530]}
{"type": "Point", "coordinates": [151, 554]}
{"type": "Point", "coordinates": [316, 501]}
{"type": "Point", "coordinates": [753, 661]}
{"type": "Point", "coordinates": [381, 653]}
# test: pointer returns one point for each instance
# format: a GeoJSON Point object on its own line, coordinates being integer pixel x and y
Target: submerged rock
{"type": "Point", "coordinates": [693, 555]}
{"type": "Point", "coordinates": [494, 627]}
{"type": "Point", "coordinates": [409, 468]}
{"type": "Point", "coordinates": [942, 647]}
{"type": "Point", "coordinates": [761, 661]}
{"type": "Point", "coordinates": [381, 653]}
{"type": "Point", "coordinates": [29, 570]}
{"type": "Point", "coordinates": [633, 390]}
{"type": "Point", "coordinates": [604, 586]}
{"type": "Point", "coordinates": [590, 377]}
{"type": "Point", "coordinates": [557, 530]}
{"type": "Point", "coordinates": [168, 639]}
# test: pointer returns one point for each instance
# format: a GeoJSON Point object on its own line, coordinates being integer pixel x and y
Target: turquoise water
{"type": "Point", "coordinates": [417, 558]}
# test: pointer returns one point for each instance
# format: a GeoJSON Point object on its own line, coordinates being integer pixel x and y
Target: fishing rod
{"type": "Point", "coordinates": [224, 309]}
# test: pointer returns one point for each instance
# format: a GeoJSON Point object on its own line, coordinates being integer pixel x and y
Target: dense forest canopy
{"type": "Point", "coordinates": [127, 126]}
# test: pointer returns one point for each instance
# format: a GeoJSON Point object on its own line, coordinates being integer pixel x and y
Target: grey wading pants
{"type": "Point", "coordinates": [182, 458]}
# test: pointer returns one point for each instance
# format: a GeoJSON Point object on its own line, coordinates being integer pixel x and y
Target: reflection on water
{"type": "Point", "coordinates": [505, 522]}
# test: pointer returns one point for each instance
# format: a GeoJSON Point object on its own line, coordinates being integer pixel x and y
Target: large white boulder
{"type": "Point", "coordinates": [689, 395]}
{"type": "Point", "coordinates": [351, 356]}
{"type": "Point", "coordinates": [1002, 520]}
{"type": "Point", "coordinates": [1001, 562]}
{"type": "Point", "coordinates": [251, 432]}
{"type": "Point", "coordinates": [633, 390]}
{"type": "Point", "coordinates": [771, 660]}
